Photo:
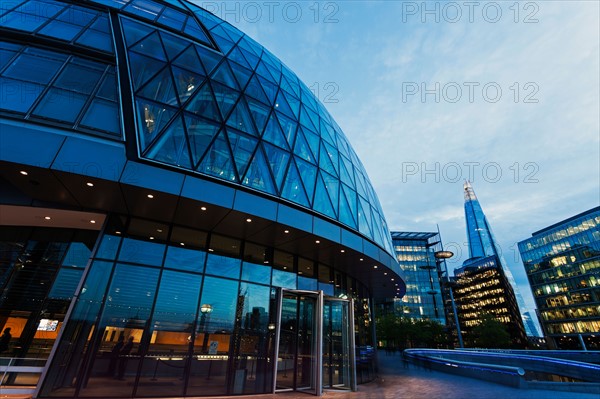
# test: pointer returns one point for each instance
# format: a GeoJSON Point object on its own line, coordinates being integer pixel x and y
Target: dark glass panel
{"type": "Point", "coordinates": [174, 45]}
{"type": "Point", "coordinates": [172, 146]}
{"type": "Point", "coordinates": [240, 118]}
{"type": "Point", "coordinates": [17, 95]}
{"type": "Point", "coordinates": [332, 184]}
{"type": "Point", "coordinates": [95, 39]}
{"type": "Point", "coordinates": [254, 90]}
{"type": "Point", "coordinates": [203, 104]}
{"type": "Point", "coordinates": [61, 105]}
{"type": "Point", "coordinates": [269, 88]}
{"type": "Point", "coordinates": [172, 18]}
{"type": "Point", "coordinates": [134, 31]}
{"type": "Point", "coordinates": [200, 133]}
{"type": "Point", "coordinates": [77, 256]}
{"type": "Point", "coordinates": [258, 175]}
{"type": "Point", "coordinates": [172, 329]}
{"type": "Point", "coordinates": [144, 252]}
{"type": "Point", "coordinates": [60, 30]}
{"type": "Point", "coordinates": [346, 215]}
{"type": "Point", "coordinates": [101, 24]}
{"type": "Point", "coordinates": [322, 202]}
{"type": "Point", "coordinates": [152, 118]}
{"type": "Point", "coordinates": [256, 272]}
{"type": "Point", "coordinates": [185, 259]}
{"type": "Point", "coordinates": [301, 148]}
{"type": "Point", "coordinates": [260, 114]}
{"type": "Point", "coordinates": [306, 267]}
{"type": "Point", "coordinates": [288, 126]}
{"type": "Point", "coordinates": [351, 197]}
{"type": "Point", "coordinates": [250, 58]}
{"type": "Point", "coordinates": [284, 279]}
{"type": "Point", "coordinates": [308, 173]}
{"type": "Point", "coordinates": [242, 148]}
{"type": "Point", "coordinates": [6, 55]}
{"type": "Point", "coordinates": [65, 284]}
{"type": "Point", "coordinates": [223, 266]}
{"type": "Point", "coordinates": [278, 161]}
{"type": "Point", "coordinates": [224, 44]}
{"type": "Point", "coordinates": [160, 89]}
{"type": "Point", "coordinates": [194, 30]}
{"type": "Point", "coordinates": [293, 189]}
{"type": "Point", "coordinates": [103, 115]}
{"type": "Point", "coordinates": [218, 160]}
{"type": "Point", "coordinates": [150, 46]}
{"type": "Point", "coordinates": [309, 284]}
{"type": "Point", "coordinates": [109, 246]}
{"type": "Point", "coordinates": [226, 98]}
{"type": "Point", "coordinates": [142, 68]}
{"type": "Point", "coordinates": [108, 88]}
{"type": "Point", "coordinates": [77, 15]}
{"type": "Point", "coordinates": [144, 8]}
{"type": "Point", "coordinates": [273, 133]}
{"type": "Point", "coordinates": [33, 69]}
{"type": "Point", "coordinates": [189, 60]}
{"type": "Point", "coordinates": [22, 21]}
{"type": "Point", "coordinates": [186, 82]}
{"type": "Point", "coordinates": [237, 56]}
{"type": "Point", "coordinates": [223, 74]}
{"type": "Point", "coordinates": [209, 58]}
{"type": "Point", "coordinates": [78, 78]}
{"type": "Point", "coordinates": [241, 74]}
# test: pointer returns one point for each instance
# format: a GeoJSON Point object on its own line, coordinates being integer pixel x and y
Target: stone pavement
{"type": "Point", "coordinates": [395, 381]}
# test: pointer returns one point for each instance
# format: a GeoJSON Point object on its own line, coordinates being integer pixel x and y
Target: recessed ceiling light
{"type": "Point", "coordinates": [152, 238]}
{"type": "Point", "coordinates": [202, 208]}
{"type": "Point", "coordinates": [150, 196]}
{"type": "Point", "coordinates": [211, 250]}
{"type": "Point", "coordinates": [392, 279]}
{"type": "Point", "coordinates": [317, 242]}
{"type": "Point", "coordinates": [159, 230]}
{"type": "Point", "coordinates": [249, 220]}
{"type": "Point", "coordinates": [117, 232]}
{"type": "Point", "coordinates": [385, 273]}
{"type": "Point", "coordinates": [90, 184]}
{"type": "Point", "coordinates": [92, 221]}
{"type": "Point", "coordinates": [47, 217]}
{"type": "Point", "coordinates": [286, 231]}
{"type": "Point", "coordinates": [299, 272]}
{"type": "Point", "coordinates": [182, 244]}
{"type": "Point", "coordinates": [361, 259]}
{"type": "Point", "coordinates": [375, 267]}
{"type": "Point", "coordinates": [342, 250]}
{"type": "Point", "coordinates": [24, 173]}
{"type": "Point", "coordinates": [285, 268]}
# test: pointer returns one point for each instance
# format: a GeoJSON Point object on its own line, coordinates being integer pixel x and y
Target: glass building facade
{"type": "Point", "coordinates": [562, 263]}
{"type": "Point", "coordinates": [179, 215]}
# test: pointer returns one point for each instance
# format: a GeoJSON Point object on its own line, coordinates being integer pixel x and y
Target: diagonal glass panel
{"type": "Point", "coordinates": [327, 133]}
{"type": "Point", "coordinates": [269, 88]}
{"type": "Point", "coordinates": [332, 185]}
{"type": "Point", "coordinates": [95, 39]}
{"type": "Point", "coordinates": [60, 30]}
{"type": "Point", "coordinates": [218, 160]}
{"type": "Point", "coordinates": [203, 104]}
{"type": "Point", "coordinates": [294, 103]}
{"type": "Point", "coordinates": [360, 184]}
{"type": "Point", "coordinates": [313, 142]}
{"type": "Point", "coordinates": [173, 18]}
{"type": "Point", "coordinates": [242, 148]}
{"type": "Point", "coordinates": [322, 203]}
{"type": "Point", "coordinates": [150, 46]}
{"type": "Point", "coordinates": [143, 68]}
{"type": "Point", "coordinates": [250, 58]}
{"type": "Point", "coordinates": [349, 167]}
{"type": "Point", "coordinates": [224, 75]}
{"type": "Point", "coordinates": [352, 201]}
{"type": "Point", "coordinates": [281, 105]}
{"type": "Point", "coordinates": [377, 235]}
{"type": "Point", "coordinates": [224, 44]}
{"type": "Point", "coordinates": [288, 127]}
{"type": "Point", "coordinates": [240, 118]}
{"type": "Point", "coordinates": [186, 82]}
{"type": "Point", "coordinates": [325, 161]}
{"type": "Point", "coordinates": [333, 156]}
{"type": "Point", "coordinates": [273, 133]}
{"type": "Point", "coordinates": [237, 56]}
{"type": "Point", "coordinates": [189, 60]}
{"type": "Point", "coordinates": [255, 91]}
{"type": "Point", "coordinates": [260, 113]}
{"type": "Point", "coordinates": [278, 161]}
{"type": "Point", "coordinates": [160, 88]}
{"type": "Point", "coordinates": [364, 217]}
{"type": "Point", "coordinates": [301, 148]}
{"type": "Point", "coordinates": [292, 186]}
{"type": "Point", "coordinates": [292, 80]}
{"type": "Point", "coordinates": [152, 118]}
{"type": "Point", "coordinates": [134, 31]}
{"type": "Point", "coordinates": [209, 58]}
{"type": "Point", "coordinates": [346, 215]}
{"type": "Point", "coordinates": [313, 117]}
{"type": "Point", "coordinates": [263, 71]}
{"type": "Point", "coordinates": [241, 74]}
{"type": "Point", "coordinates": [258, 175]}
{"type": "Point", "coordinates": [171, 146]}
{"type": "Point", "coordinates": [194, 30]}
{"type": "Point", "coordinates": [173, 44]}
{"type": "Point", "coordinates": [308, 174]}
{"type": "Point", "coordinates": [200, 134]}
{"type": "Point", "coordinates": [226, 98]}
{"type": "Point", "coordinates": [305, 119]}
{"type": "Point", "coordinates": [342, 144]}
{"type": "Point", "coordinates": [344, 174]}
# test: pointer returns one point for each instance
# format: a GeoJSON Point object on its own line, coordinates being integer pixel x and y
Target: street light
{"type": "Point", "coordinates": [441, 256]}
{"type": "Point", "coordinates": [206, 310]}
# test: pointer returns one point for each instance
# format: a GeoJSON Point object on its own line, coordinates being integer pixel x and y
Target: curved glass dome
{"type": "Point", "coordinates": [209, 99]}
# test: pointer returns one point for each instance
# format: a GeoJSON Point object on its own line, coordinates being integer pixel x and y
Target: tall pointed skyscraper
{"type": "Point", "coordinates": [485, 285]}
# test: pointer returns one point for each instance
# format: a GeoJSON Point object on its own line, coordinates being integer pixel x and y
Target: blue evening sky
{"type": "Point", "coordinates": [517, 111]}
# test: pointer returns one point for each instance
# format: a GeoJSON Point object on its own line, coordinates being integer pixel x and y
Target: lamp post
{"type": "Point", "coordinates": [441, 256]}
{"type": "Point", "coordinates": [206, 310]}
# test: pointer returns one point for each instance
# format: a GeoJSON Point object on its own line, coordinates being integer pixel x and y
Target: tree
{"type": "Point", "coordinates": [404, 332]}
{"type": "Point", "coordinates": [490, 333]}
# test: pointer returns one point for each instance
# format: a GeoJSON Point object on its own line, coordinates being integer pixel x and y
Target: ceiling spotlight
{"type": "Point", "coordinates": [392, 279]}
{"type": "Point", "coordinates": [385, 273]}
{"type": "Point", "coordinates": [92, 221]}
{"type": "Point", "coordinates": [159, 230]}
{"type": "Point", "coordinates": [375, 267]}
{"type": "Point", "coordinates": [47, 217]}
{"type": "Point", "coordinates": [361, 259]}
{"type": "Point", "coordinates": [249, 220]}
{"type": "Point", "coordinates": [117, 232]}
{"type": "Point", "coordinates": [182, 244]}
{"type": "Point", "coordinates": [342, 250]}
{"type": "Point", "coordinates": [89, 184]}
{"type": "Point", "coordinates": [202, 208]}
{"type": "Point", "coordinates": [286, 231]}
{"type": "Point", "coordinates": [150, 196]}
{"type": "Point", "coordinates": [317, 242]}
{"type": "Point", "coordinates": [152, 238]}
{"type": "Point", "coordinates": [24, 173]}
{"type": "Point", "coordinates": [211, 250]}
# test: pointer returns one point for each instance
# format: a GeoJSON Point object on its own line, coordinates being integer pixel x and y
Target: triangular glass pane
{"type": "Point", "coordinates": [242, 148]}
{"type": "Point", "coordinates": [327, 133]}
{"type": "Point", "coordinates": [171, 147]}
{"type": "Point", "coordinates": [301, 148]}
{"type": "Point", "coordinates": [285, 85]}
{"type": "Point", "coordinates": [269, 88]}
{"type": "Point", "coordinates": [134, 31]}
{"type": "Point", "coordinates": [281, 105]}
{"type": "Point", "coordinates": [292, 80]}
{"type": "Point", "coordinates": [237, 56]}
{"type": "Point", "coordinates": [294, 103]}
{"type": "Point", "coordinates": [314, 117]}
{"type": "Point", "coordinates": [209, 58]}
{"type": "Point", "coordinates": [250, 58]}
{"type": "Point", "coordinates": [325, 161]}
{"type": "Point", "coordinates": [255, 91]}
{"type": "Point", "coordinates": [346, 166]}
{"type": "Point", "coordinates": [150, 46]}
{"type": "Point", "coordinates": [241, 74]}
{"type": "Point", "coordinates": [360, 184]}
{"type": "Point", "coordinates": [342, 144]}
{"type": "Point", "coordinates": [160, 89]}
{"type": "Point", "coordinates": [278, 161]}
{"type": "Point", "coordinates": [231, 32]}
{"type": "Point", "coordinates": [260, 114]}
{"type": "Point", "coordinates": [226, 98]}
{"type": "Point", "coordinates": [193, 29]}
{"type": "Point", "coordinates": [152, 118]}
{"type": "Point", "coordinates": [187, 82]}
{"type": "Point", "coordinates": [334, 156]}
{"type": "Point", "coordinates": [332, 185]}
{"type": "Point", "coordinates": [364, 217]}
{"type": "Point", "coordinates": [204, 104]}
{"type": "Point", "coordinates": [200, 133]}
{"type": "Point", "coordinates": [258, 175]}
{"type": "Point", "coordinates": [273, 133]}
{"type": "Point", "coordinates": [377, 237]}
{"type": "Point", "coordinates": [224, 75]}
{"type": "Point", "coordinates": [313, 142]}
{"type": "Point", "coordinates": [308, 173]}
{"type": "Point", "coordinates": [322, 203]}
{"type": "Point", "coordinates": [292, 186]}
{"type": "Point", "coordinates": [352, 201]}
{"type": "Point", "coordinates": [173, 45]}
{"type": "Point", "coordinates": [240, 118]}
{"type": "Point", "coordinates": [288, 127]}
{"type": "Point", "coordinates": [189, 60]}
{"type": "Point", "coordinates": [224, 44]}
{"type": "Point", "coordinates": [143, 68]}
{"type": "Point", "coordinates": [263, 71]}
{"type": "Point", "coordinates": [218, 160]}
{"type": "Point", "coordinates": [346, 215]}
{"type": "Point", "coordinates": [305, 119]}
